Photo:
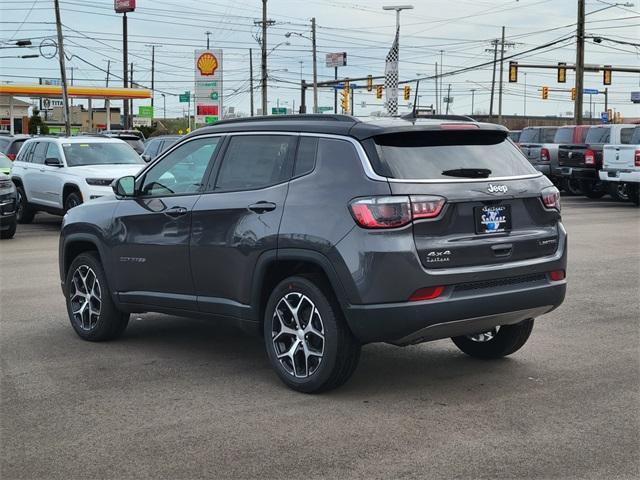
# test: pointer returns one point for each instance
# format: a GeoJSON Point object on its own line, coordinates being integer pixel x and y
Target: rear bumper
{"type": "Point", "coordinates": [456, 313]}
{"type": "Point", "coordinates": [543, 168]}
{"type": "Point", "coordinates": [579, 173]}
{"type": "Point", "coordinates": [619, 176]}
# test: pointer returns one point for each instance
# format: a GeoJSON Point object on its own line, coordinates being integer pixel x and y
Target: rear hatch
{"type": "Point", "coordinates": [494, 211]}
{"type": "Point", "coordinates": [571, 155]}
{"type": "Point", "coordinates": [622, 157]}
{"type": "Point", "coordinates": [532, 140]}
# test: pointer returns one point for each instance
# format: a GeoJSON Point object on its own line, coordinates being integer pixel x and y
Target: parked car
{"type": "Point", "coordinates": [621, 166]}
{"type": "Point", "coordinates": [514, 135]}
{"type": "Point", "coordinates": [534, 143]}
{"type": "Point", "coordinates": [579, 164]}
{"type": "Point", "coordinates": [10, 144]}
{"type": "Point", "coordinates": [5, 164]}
{"type": "Point", "coordinates": [7, 207]}
{"type": "Point", "coordinates": [156, 145]}
{"type": "Point", "coordinates": [325, 232]}
{"type": "Point", "coordinates": [55, 174]}
{"type": "Point", "coordinates": [135, 141]}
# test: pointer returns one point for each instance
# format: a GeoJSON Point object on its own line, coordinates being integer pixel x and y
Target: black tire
{"type": "Point", "coordinates": [508, 339]}
{"type": "Point", "coordinates": [73, 199]}
{"type": "Point", "coordinates": [634, 193]}
{"type": "Point", "coordinates": [340, 350]}
{"type": "Point", "coordinates": [619, 191]}
{"type": "Point", "coordinates": [109, 323]}
{"type": "Point", "coordinates": [24, 212]}
{"type": "Point", "coordinates": [572, 186]}
{"type": "Point", "coordinates": [593, 190]}
{"type": "Point", "coordinates": [9, 232]}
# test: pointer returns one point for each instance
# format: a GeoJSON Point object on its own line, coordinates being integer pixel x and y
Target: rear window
{"type": "Point", "coordinates": [529, 135]}
{"type": "Point", "coordinates": [564, 135]}
{"type": "Point", "coordinates": [548, 134]}
{"type": "Point", "coordinates": [625, 135]}
{"type": "Point", "coordinates": [635, 138]}
{"type": "Point", "coordinates": [15, 146]}
{"type": "Point", "coordinates": [598, 135]}
{"type": "Point", "coordinates": [449, 155]}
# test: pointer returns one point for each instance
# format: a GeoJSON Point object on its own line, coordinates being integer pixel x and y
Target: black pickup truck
{"type": "Point", "coordinates": [579, 164]}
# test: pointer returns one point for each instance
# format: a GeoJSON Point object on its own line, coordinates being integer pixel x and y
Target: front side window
{"type": "Point", "coordinates": [182, 171]}
{"type": "Point", "coordinates": [39, 152]}
{"type": "Point", "coordinates": [53, 151]}
{"type": "Point", "coordinates": [256, 161]}
{"type": "Point", "coordinates": [99, 153]}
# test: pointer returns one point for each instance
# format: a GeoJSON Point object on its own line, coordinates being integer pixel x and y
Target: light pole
{"type": "Point", "coordinates": [164, 106]}
{"type": "Point", "coordinates": [473, 94]}
{"type": "Point", "coordinates": [315, 60]}
{"type": "Point", "coordinates": [525, 95]}
{"type": "Point", "coordinates": [208, 34]}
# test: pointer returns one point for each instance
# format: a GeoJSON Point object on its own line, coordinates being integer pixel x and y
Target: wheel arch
{"type": "Point", "coordinates": [77, 243]}
{"type": "Point", "coordinates": [69, 187]}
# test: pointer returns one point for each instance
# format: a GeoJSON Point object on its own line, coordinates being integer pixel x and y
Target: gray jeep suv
{"type": "Point", "coordinates": [324, 233]}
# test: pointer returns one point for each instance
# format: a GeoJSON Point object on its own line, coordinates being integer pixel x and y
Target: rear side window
{"type": "Point", "coordinates": [529, 135]}
{"type": "Point", "coordinates": [449, 155]}
{"type": "Point", "coordinates": [256, 161]}
{"type": "Point", "coordinates": [548, 134]}
{"type": "Point", "coordinates": [564, 135]}
{"type": "Point", "coordinates": [625, 135]}
{"type": "Point", "coordinates": [306, 156]}
{"type": "Point", "coordinates": [598, 135]}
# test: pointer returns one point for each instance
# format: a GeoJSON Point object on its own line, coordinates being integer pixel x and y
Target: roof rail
{"type": "Point", "coordinates": [300, 117]}
{"type": "Point", "coordinates": [459, 118]}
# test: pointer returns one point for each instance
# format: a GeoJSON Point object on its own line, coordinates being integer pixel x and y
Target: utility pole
{"type": "Point", "coordinates": [577, 112]}
{"type": "Point", "coordinates": [493, 78]}
{"type": "Point", "coordinates": [606, 98]}
{"type": "Point", "coordinates": [441, 71]}
{"type": "Point", "coordinates": [315, 66]}
{"type": "Point", "coordinates": [71, 83]}
{"type": "Point", "coordinates": [207, 33]}
{"type": "Point", "coordinates": [448, 98]}
{"type": "Point", "coordinates": [473, 94]}
{"type": "Point", "coordinates": [437, 103]}
{"type": "Point", "coordinates": [153, 64]}
{"type": "Point", "coordinates": [524, 114]}
{"type": "Point", "coordinates": [63, 73]}
{"type": "Point", "coordinates": [107, 102]}
{"type": "Point", "coordinates": [264, 23]}
{"type": "Point", "coordinates": [251, 79]}
{"type": "Point", "coordinates": [335, 90]}
{"type": "Point", "coordinates": [131, 109]}
{"type": "Point", "coordinates": [125, 73]}
{"type": "Point", "coordinates": [501, 75]}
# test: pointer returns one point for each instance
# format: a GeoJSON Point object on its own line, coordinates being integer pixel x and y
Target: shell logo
{"type": "Point", "coordinates": [207, 64]}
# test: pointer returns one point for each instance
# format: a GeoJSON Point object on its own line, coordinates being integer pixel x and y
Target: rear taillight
{"type": "Point", "coordinates": [11, 156]}
{"type": "Point", "coordinates": [557, 275]}
{"type": "Point", "coordinates": [544, 155]}
{"type": "Point", "coordinates": [551, 198]}
{"type": "Point", "coordinates": [428, 293]}
{"type": "Point", "coordinates": [589, 157]}
{"type": "Point", "coordinates": [394, 211]}
{"type": "Point", "coordinates": [636, 159]}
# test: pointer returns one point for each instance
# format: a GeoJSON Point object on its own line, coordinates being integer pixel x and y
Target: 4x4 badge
{"type": "Point", "coordinates": [497, 188]}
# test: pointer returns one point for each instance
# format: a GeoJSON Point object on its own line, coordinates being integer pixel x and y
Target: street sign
{"type": "Point", "coordinates": [635, 97]}
{"type": "Point", "coordinates": [208, 85]}
{"type": "Point", "coordinates": [604, 117]}
{"type": "Point", "coordinates": [279, 111]}
{"type": "Point", "coordinates": [324, 109]}
{"type": "Point", "coordinates": [447, 99]}
{"type": "Point", "coordinates": [122, 6]}
{"type": "Point", "coordinates": [50, 81]}
{"type": "Point", "coordinates": [591, 91]}
{"type": "Point", "coordinates": [141, 122]}
{"type": "Point", "coordinates": [337, 59]}
{"type": "Point", "coordinates": [340, 86]}
{"type": "Point", "coordinates": [145, 111]}
{"type": "Point", "coordinates": [185, 97]}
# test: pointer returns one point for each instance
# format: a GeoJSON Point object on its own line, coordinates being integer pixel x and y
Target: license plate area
{"type": "Point", "coordinates": [492, 219]}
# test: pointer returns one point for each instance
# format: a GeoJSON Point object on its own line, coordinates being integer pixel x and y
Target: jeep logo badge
{"type": "Point", "coordinates": [497, 188]}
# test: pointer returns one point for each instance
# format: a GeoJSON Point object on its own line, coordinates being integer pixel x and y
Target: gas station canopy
{"type": "Point", "coordinates": [55, 91]}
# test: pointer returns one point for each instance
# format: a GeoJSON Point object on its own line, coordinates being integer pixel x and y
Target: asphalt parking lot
{"type": "Point", "coordinates": [178, 398]}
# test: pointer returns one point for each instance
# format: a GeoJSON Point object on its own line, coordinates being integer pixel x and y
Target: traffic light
{"type": "Point", "coordinates": [606, 75]}
{"type": "Point", "coordinates": [344, 101]}
{"type": "Point", "coordinates": [407, 92]}
{"type": "Point", "coordinates": [573, 93]}
{"type": "Point", "coordinates": [609, 114]}
{"type": "Point", "coordinates": [562, 72]}
{"type": "Point", "coordinates": [378, 91]}
{"type": "Point", "coordinates": [369, 83]}
{"type": "Point", "coordinates": [618, 118]}
{"type": "Point", "coordinates": [545, 93]}
{"type": "Point", "coordinates": [513, 72]}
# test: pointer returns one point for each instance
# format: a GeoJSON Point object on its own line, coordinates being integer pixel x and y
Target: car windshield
{"type": "Point", "coordinates": [103, 153]}
{"type": "Point", "coordinates": [449, 154]}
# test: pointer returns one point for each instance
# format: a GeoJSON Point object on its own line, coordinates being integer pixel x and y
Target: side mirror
{"type": "Point", "coordinates": [124, 186]}
{"type": "Point", "coordinates": [146, 157]}
{"type": "Point", "coordinates": [53, 162]}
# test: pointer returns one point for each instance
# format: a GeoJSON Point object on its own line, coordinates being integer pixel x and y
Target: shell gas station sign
{"type": "Point", "coordinates": [208, 86]}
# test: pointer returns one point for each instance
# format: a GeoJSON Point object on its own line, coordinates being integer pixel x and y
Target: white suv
{"type": "Point", "coordinates": [54, 174]}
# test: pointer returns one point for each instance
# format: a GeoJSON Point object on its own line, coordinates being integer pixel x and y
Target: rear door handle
{"type": "Point", "coordinates": [176, 212]}
{"type": "Point", "coordinates": [262, 207]}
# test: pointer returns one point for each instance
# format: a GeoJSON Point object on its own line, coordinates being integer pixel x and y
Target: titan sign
{"type": "Point", "coordinates": [208, 86]}
{"type": "Point", "coordinates": [123, 6]}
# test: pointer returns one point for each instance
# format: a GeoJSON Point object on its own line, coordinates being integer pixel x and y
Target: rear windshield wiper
{"type": "Point", "coordinates": [468, 172]}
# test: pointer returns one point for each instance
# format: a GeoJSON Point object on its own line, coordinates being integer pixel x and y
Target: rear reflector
{"type": "Point", "coordinates": [557, 275]}
{"type": "Point", "coordinates": [428, 293]}
{"type": "Point", "coordinates": [394, 211]}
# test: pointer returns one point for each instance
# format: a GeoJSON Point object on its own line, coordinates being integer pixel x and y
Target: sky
{"type": "Point", "coordinates": [459, 32]}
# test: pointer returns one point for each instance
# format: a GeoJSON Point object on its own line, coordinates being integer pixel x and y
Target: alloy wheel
{"type": "Point", "coordinates": [20, 206]}
{"type": "Point", "coordinates": [298, 335]}
{"type": "Point", "coordinates": [484, 336]}
{"type": "Point", "coordinates": [85, 297]}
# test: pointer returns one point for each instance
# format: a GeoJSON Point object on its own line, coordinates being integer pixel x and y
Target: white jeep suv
{"type": "Point", "coordinates": [54, 174]}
